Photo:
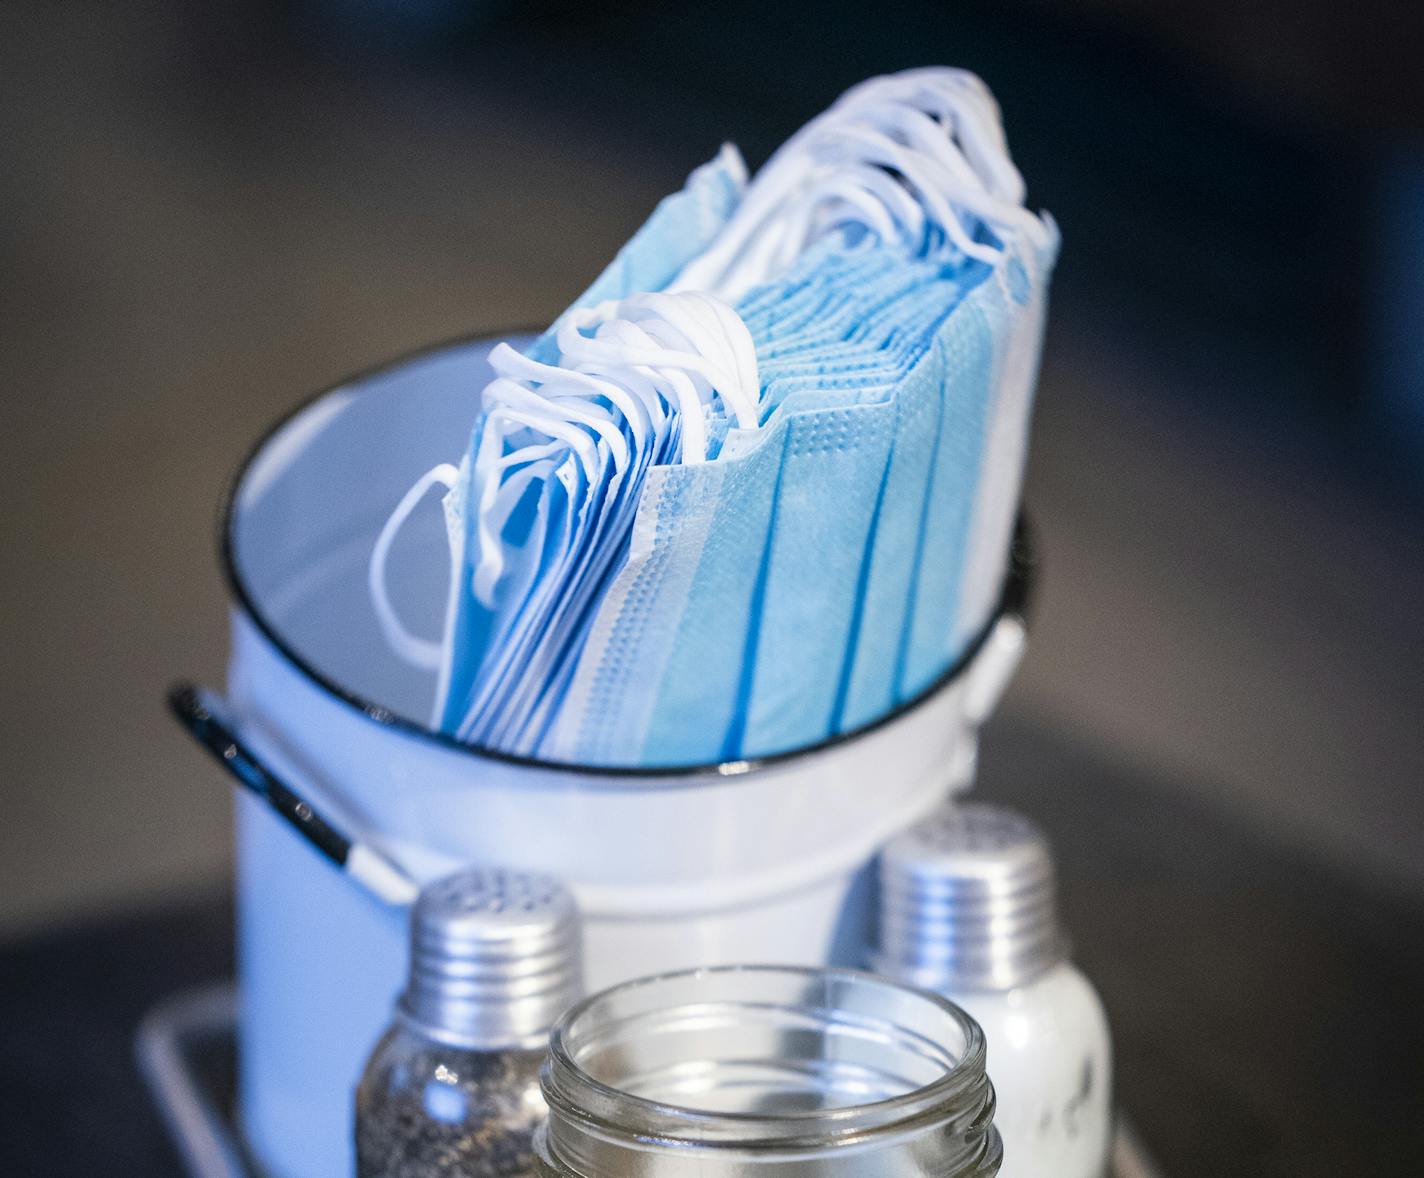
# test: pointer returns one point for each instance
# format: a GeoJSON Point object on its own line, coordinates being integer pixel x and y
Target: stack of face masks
{"type": "Point", "coordinates": [774, 501]}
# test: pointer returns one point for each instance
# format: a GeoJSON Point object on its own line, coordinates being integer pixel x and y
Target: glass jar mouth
{"type": "Point", "coordinates": [861, 1058]}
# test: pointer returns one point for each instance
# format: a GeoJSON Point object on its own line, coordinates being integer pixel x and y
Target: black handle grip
{"type": "Point", "coordinates": [199, 712]}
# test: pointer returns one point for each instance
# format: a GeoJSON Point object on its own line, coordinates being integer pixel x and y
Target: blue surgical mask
{"type": "Point", "coordinates": [551, 487]}
{"type": "Point", "coordinates": [815, 568]}
{"type": "Point", "coordinates": [789, 510]}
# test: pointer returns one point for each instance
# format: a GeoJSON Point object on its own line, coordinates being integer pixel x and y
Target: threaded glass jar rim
{"type": "Point", "coordinates": [899, 1067]}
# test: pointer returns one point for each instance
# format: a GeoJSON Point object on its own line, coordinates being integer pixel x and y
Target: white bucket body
{"type": "Point", "coordinates": [745, 862]}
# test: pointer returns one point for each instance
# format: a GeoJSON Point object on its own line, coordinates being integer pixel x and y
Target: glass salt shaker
{"type": "Point", "coordinates": [767, 1072]}
{"type": "Point", "coordinates": [968, 909]}
{"type": "Point", "coordinates": [452, 1087]}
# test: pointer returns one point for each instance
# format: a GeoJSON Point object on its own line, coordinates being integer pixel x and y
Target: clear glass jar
{"type": "Point", "coordinates": [799, 1072]}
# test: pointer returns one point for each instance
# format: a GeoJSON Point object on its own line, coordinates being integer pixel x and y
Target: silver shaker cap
{"type": "Point", "coordinates": [495, 959]}
{"type": "Point", "coordinates": [968, 901]}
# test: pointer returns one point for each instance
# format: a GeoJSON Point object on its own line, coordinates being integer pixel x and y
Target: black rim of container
{"type": "Point", "coordinates": [1013, 601]}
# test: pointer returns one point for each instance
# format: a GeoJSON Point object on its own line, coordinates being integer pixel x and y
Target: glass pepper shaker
{"type": "Point", "coordinates": [452, 1087]}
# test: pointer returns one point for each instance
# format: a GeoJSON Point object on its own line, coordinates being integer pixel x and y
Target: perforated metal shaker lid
{"type": "Point", "coordinates": [968, 901]}
{"type": "Point", "coordinates": [495, 959]}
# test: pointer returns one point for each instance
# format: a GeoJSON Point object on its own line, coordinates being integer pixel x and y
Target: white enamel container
{"type": "Point", "coordinates": [716, 864]}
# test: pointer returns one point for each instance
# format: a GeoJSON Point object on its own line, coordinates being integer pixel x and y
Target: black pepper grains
{"type": "Point", "coordinates": [425, 1110]}
{"type": "Point", "coordinates": [452, 1088]}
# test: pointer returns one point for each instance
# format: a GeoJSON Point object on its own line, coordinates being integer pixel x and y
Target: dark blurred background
{"type": "Point", "coordinates": [209, 210]}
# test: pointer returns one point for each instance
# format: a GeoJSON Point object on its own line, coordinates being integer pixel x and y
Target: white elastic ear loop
{"type": "Point", "coordinates": [492, 496]}
{"type": "Point", "coordinates": [980, 176]}
{"type": "Point", "coordinates": [685, 324]}
{"type": "Point", "coordinates": [678, 389]}
{"type": "Point", "coordinates": [735, 330]}
{"type": "Point", "coordinates": [934, 140]}
{"type": "Point", "coordinates": [561, 399]}
{"type": "Point", "coordinates": [971, 113]}
{"type": "Point", "coordinates": [681, 347]}
{"type": "Point", "coordinates": [963, 162]}
{"type": "Point", "coordinates": [610, 356]}
{"type": "Point", "coordinates": [612, 352]}
{"type": "Point", "coordinates": [860, 199]}
{"type": "Point", "coordinates": [781, 175]}
{"type": "Point", "coordinates": [522, 406]}
{"type": "Point", "coordinates": [694, 327]}
{"type": "Point", "coordinates": [418, 652]}
{"type": "Point", "coordinates": [667, 367]}
{"type": "Point", "coordinates": [935, 188]}
{"type": "Point", "coordinates": [757, 260]}
{"type": "Point", "coordinates": [946, 178]}
{"type": "Point", "coordinates": [737, 259]}
{"type": "Point", "coordinates": [740, 391]}
{"type": "Point", "coordinates": [772, 227]}
{"type": "Point", "coordinates": [639, 379]}
{"type": "Point", "coordinates": [966, 105]}
{"type": "Point", "coordinates": [690, 416]}
{"type": "Point", "coordinates": [956, 95]}
{"type": "Point", "coordinates": [980, 136]}
{"type": "Point", "coordinates": [695, 393]}
{"type": "Point", "coordinates": [564, 384]}
{"type": "Point", "coordinates": [571, 382]}
{"type": "Point", "coordinates": [715, 336]}
{"type": "Point", "coordinates": [495, 498]}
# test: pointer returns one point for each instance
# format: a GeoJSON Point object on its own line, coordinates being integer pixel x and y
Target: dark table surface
{"type": "Point", "coordinates": [1267, 1014]}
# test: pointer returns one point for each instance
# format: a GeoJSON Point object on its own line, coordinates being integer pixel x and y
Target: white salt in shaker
{"type": "Point", "coordinates": [968, 909]}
